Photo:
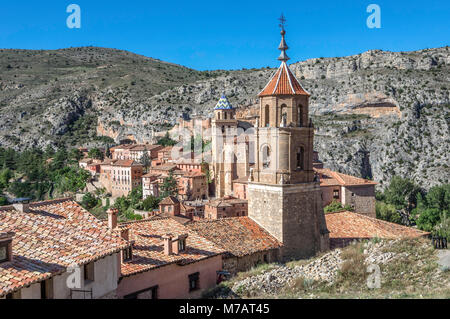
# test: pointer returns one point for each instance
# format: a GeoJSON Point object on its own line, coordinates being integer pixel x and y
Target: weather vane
{"type": "Point", "coordinates": [282, 22]}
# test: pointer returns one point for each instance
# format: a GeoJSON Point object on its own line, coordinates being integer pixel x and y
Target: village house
{"type": "Point", "coordinates": [126, 175]}
{"type": "Point", "coordinates": [224, 207]}
{"type": "Point", "coordinates": [192, 184]}
{"type": "Point", "coordinates": [91, 165]}
{"type": "Point", "coordinates": [168, 260]}
{"type": "Point", "coordinates": [246, 244]}
{"type": "Point", "coordinates": [40, 241]}
{"type": "Point", "coordinates": [135, 151]}
{"type": "Point", "coordinates": [356, 192]}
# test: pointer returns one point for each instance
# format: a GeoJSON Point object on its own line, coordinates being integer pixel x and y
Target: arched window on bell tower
{"type": "Point", "coordinates": [300, 115]}
{"type": "Point", "coordinates": [283, 110]}
{"type": "Point", "coordinates": [266, 116]}
{"type": "Point", "coordinates": [265, 150]}
{"type": "Point", "coordinates": [300, 158]}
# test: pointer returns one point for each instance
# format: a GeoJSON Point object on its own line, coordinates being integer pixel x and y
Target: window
{"type": "Point", "coordinates": [300, 115]}
{"type": "Point", "coordinates": [300, 158]}
{"type": "Point", "coordinates": [127, 254]}
{"type": "Point", "coordinates": [89, 272]}
{"type": "Point", "coordinates": [4, 253]}
{"type": "Point", "coordinates": [150, 293]}
{"type": "Point", "coordinates": [266, 116]}
{"type": "Point", "coordinates": [182, 244]}
{"type": "Point", "coordinates": [266, 156]}
{"type": "Point", "coordinates": [336, 194]}
{"type": "Point", "coordinates": [194, 281]}
{"type": "Point", "coordinates": [47, 289]}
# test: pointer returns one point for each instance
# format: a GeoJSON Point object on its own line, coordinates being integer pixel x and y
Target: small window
{"type": "Point", "coordinates": [300, 158]}
{"type": "Point", "coordinates": [194, 281]}
{"type": "Point", "coordinates": [47, 289]}
{"type": "Point", "coordinates": [4, 253]}
{"type": "Point", "coordinates": [336, 194]}
{"type": "Point", "coordinates": [266, 156]}
{"type": "Point", "coordinates": [182, 245]}
{"type": "Point", "coordinates": [127, 254]}
{"type": "Point", "coordinates": [89, 272]}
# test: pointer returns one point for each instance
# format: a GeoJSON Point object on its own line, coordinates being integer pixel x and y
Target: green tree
{"type": "Point", "coordinates": [402, 194]}
{"type": "Point", "coordinates": [169, 186]}
{"type": "Point", "coordinates": [145, 161]}
{"type": "Point", "coordinates": [5, 176]}
{"type": "Point", "coordinates": [89, 201]}
{"type": "Point", "coordinates": [3, 200]}
{"type": "Point", "coordinates": [336, 206]}
{"type": "Point", "coordinates": [75, 155]}
{"type": "Point", "coordinates": [95, 153]}
{"type": "Point", "coordinates": [150, 203]}
{"type": "Point", "coordinates": [387, 212]}
{"type": "Point", "coordinates": [166, 140]}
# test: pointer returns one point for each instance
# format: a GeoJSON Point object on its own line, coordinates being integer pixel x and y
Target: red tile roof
{"type": "Point", "coordinates": [126, 163]}
{"type": "Point", "coordinates": [148, 248]}
{"type": "Point", "coordinates": [356, 226]}
{"type": "Point", "coordinates": [238, 236]}
{"type": "Point", "coordinates": [283, 82]}
{"type": "Point", "coordinates": [328, 177]}
{"type": "Point", "coordinates": [50, 237]}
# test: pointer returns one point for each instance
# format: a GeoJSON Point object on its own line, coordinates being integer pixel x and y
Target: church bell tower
{"type": "Point", "coordinates": [284, 195]}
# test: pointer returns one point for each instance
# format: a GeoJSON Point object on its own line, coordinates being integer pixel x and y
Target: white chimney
{"type": "Point", "coordinates": [22, 207]}
{"type": "Point", "coordinates": [112, 217]}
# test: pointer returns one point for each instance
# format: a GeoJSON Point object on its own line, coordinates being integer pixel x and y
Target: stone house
{"type": "Point", "coordinates": [246, 244]}
{"type": "Point", "coordinates": [39, 242]}
{"type": "Point", "coordinates": [357, 192]}
{"type": "Point", "coordinates": [168, 260]}
{"type": "Point", "coordinates": [227, 206]}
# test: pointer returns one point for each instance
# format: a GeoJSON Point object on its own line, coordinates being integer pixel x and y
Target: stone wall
{"type": "Point", "coordinates": [239, 264]}
{"type": "Point", "coordinates": [291, 213]}
{"type": "Point", "coordinates": [362, 198]}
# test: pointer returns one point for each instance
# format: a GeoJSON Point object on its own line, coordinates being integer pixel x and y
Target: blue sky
{"type": "Point", "coordinates": [207, 35]}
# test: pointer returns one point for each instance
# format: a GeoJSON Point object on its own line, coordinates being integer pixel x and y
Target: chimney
{"type": "Point", "coordinates": [112, 217]}
{"type": "Point", "coordinates": [125, 233]}
{"type": "Point", "coordinates": [22, 207]}
{"type": "Point", "coordinates": [6, 239]}
{"type": "Point", "coordinates": [167, 244]}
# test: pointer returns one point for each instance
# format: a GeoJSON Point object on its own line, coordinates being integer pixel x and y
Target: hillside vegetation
{"type": "Point", "coordinates": [376, 114]}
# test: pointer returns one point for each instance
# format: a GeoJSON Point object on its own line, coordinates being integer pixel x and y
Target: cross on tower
{"type": "Point", "coordinates": [282, 21]}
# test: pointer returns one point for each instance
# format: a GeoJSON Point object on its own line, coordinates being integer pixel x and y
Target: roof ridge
{"type": "Point", "coordinates": [289, 78]}
{"type": "Point", "coordinates": [278, 80]}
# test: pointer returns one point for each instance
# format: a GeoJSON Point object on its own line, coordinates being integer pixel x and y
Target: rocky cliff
{"type": "Point", "coordinates": [376, 114]}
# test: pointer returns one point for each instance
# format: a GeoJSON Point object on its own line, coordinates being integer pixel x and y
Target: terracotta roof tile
{"type": "Point", "coordinates": [352, 225]}
{"type": "Point", "coordinates": [50, 237]}
{"type": "Point", "coordinates": [328, 177]}
{"type": "Point", "coordinates": [283, 82]}
{"type": "Point", "coordinates": [148, 248]}
{"type": "Point", "coordinates": [238, 236]}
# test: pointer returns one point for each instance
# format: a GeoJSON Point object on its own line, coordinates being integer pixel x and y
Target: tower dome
{"type": "Point", "coordinates": [223, 104]}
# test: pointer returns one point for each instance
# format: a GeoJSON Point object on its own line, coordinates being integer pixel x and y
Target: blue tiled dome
{"type": "Point", "coordinates": [223, 104]}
